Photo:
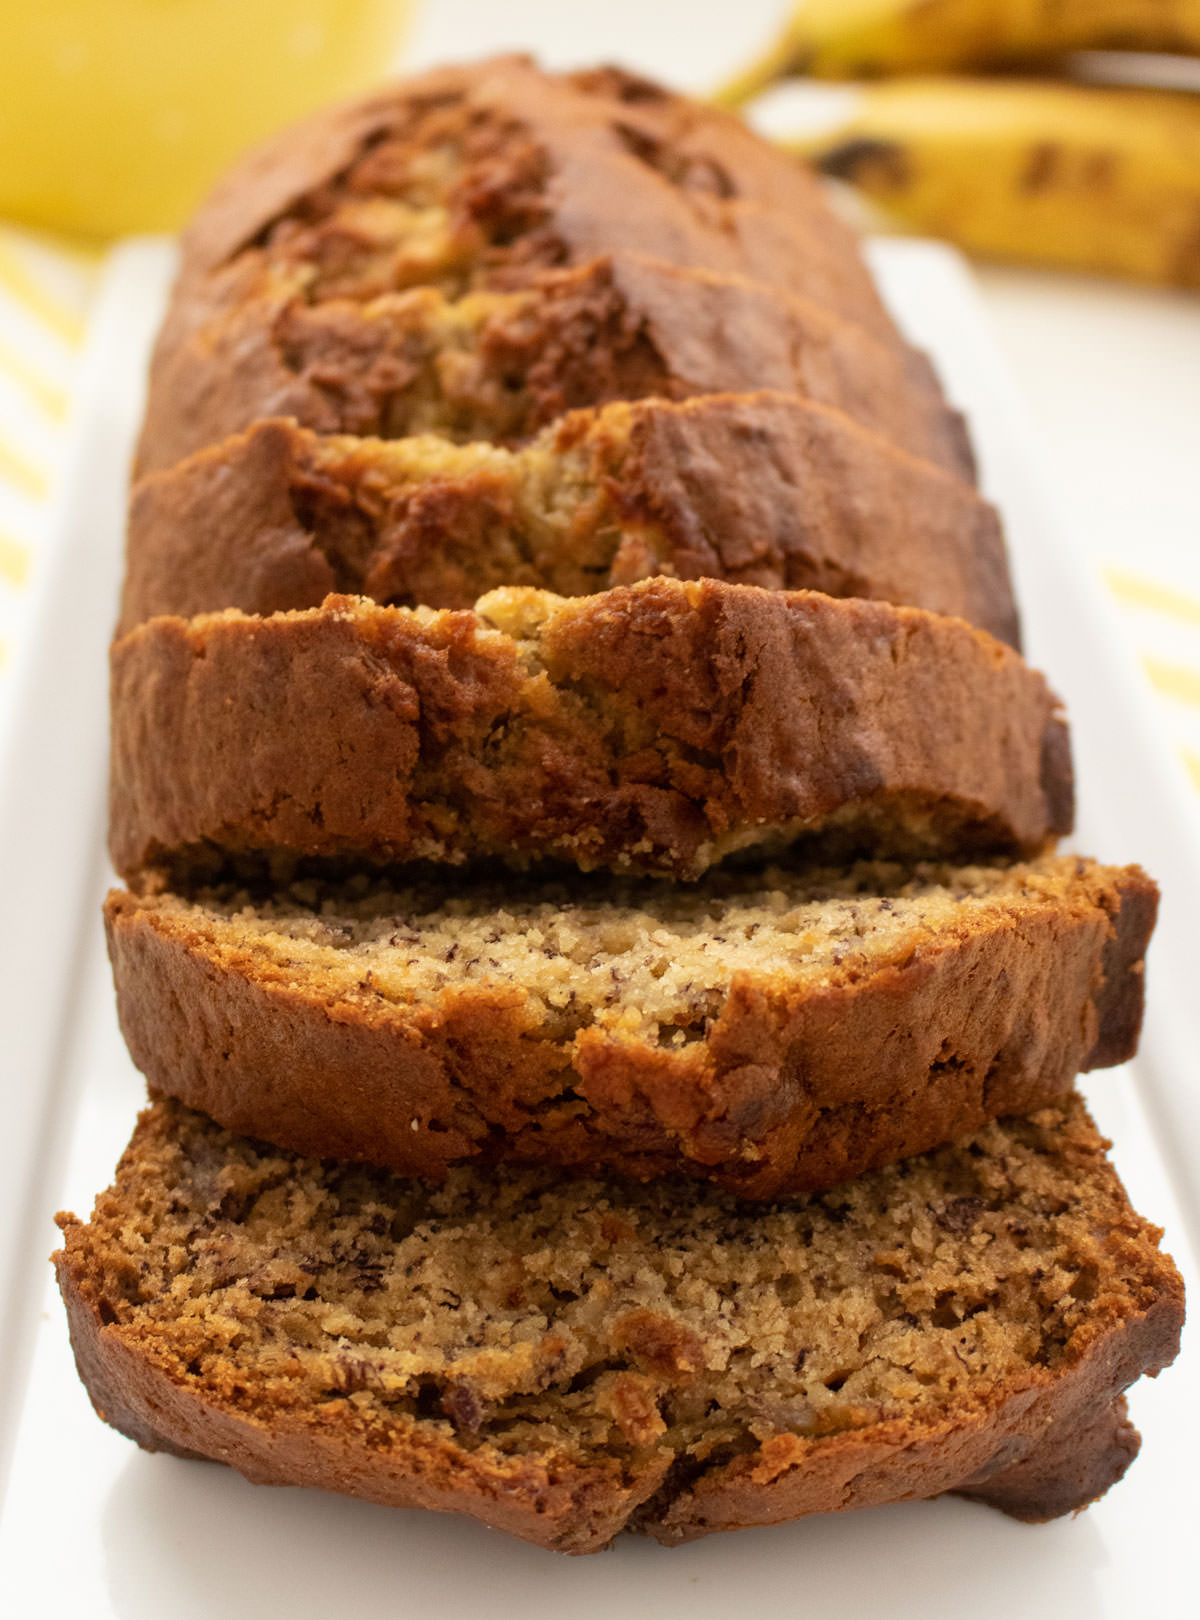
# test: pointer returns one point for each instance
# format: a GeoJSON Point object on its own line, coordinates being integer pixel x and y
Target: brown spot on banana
{"type": "Point", "coordinates": [1044, 169]}
{"type": "Point", "coordinates": [1038, 173]}
{"type": "Point", "coordinates": [1185, 271]}
{"type": "Point", "coordinates": [870, 162]}
{"type": "Point", "coordinates": [1102, 169]}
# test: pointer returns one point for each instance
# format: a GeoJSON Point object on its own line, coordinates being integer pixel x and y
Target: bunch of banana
{"type": "Point", "coordinates": [1094, 179]}
{"type": "Point", "coordinates": [1043, 171]}
{"type": "Point", "coordinates": [862, 39]}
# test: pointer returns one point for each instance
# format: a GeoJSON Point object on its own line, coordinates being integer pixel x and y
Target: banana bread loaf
{"type": "Point", "coordinates": [501, 364]}
{"type": "Point", "coordinates": [762, 489]}
{"type": "Point", "coordinates": [562, 1359]}
{"type": "Point", "coordinates": [558, 1356]}
{"type": "Point", "coordinates": [771, 1032]}
{"type": "Point", "coordinates": [656, 727]}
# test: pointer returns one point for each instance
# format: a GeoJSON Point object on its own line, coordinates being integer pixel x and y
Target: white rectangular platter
{"type": "Point", "coordinates": [91, 1527]}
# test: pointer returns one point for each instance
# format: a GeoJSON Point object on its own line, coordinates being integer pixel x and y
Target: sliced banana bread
{"type": "Point", "coordinates": [656, 727]}
{"type": "Point", "coordinates": [763, 489]}
{"type": "Point", "coordinates": [771, 1032]}
{"type": "Point", "coordinates": [563, 1359]}
{"type": "Point", "coordinates": [501, 365]}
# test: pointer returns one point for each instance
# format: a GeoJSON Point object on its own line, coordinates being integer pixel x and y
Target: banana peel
{"type": "Point", "coordinates": [865, 39]}
{"type": "Point", "coordinates": [1038, 172]}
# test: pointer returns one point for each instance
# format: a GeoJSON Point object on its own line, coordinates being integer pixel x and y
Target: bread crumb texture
{"type": "Point", "coordinates": [585, 1326]}
{"type": "Point", "coordinates": [648, 958]}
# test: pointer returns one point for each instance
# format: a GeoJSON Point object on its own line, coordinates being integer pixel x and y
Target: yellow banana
{"type": "Point", "coordinates": [1094, 179]}
{"type": "Point", "coordinates": [862, 39]}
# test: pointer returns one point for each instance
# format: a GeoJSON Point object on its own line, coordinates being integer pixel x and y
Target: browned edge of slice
{"type": "Point", "coordinates": [1082, 1444]}
{"type": "Point", "coordinates": [1037, 1446]}
{"type": "Point", "coordinates": [656, 727]}
{"type": "Point", "coordinates": [787, 1088]}
{"type": "Point", "coordinates": [501, 366]}
{"type": "Point", "coordinates": [1071, 1444]}
{"type": "Point", "coordinates": [760, 489]}
{"type": "Point", "coordinates": [564, 1507]}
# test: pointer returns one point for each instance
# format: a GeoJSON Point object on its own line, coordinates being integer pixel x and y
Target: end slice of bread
{"type": "Point", "coordinates": [562, 1359]}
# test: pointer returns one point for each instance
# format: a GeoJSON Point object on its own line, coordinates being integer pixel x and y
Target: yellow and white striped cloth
{"type": "Point", "coordinates": [1163, 623]}
{"type": "Point", "coordinates": [46, 289]}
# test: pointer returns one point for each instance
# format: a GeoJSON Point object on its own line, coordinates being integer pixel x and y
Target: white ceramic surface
{"type": "Point", "coordinates": [93, 1528]}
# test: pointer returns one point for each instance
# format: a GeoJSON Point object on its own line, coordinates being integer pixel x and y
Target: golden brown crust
{"type": "Point", "coordinates": [760, 489]}
{"type": "Point", "coordinates": [619, 326]}
{"type": "Point", "coordinates": [793, 1086]}
{"type": "Point", "coordinates": [547, 170]}
{"type": "Point", "coordinates": [658, 726]}
{"type": "Point", "coordinates": [1038, 1440]}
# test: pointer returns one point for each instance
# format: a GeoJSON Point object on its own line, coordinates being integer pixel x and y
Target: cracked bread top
{"type": "Point", "coordinates": [502, 364]}
{"type": "Point", "coordinates": [763, 489]}
{"type": "Point", "coordinates": [475, 175]}
{"type": "Point", "coordinates": [478, 180]}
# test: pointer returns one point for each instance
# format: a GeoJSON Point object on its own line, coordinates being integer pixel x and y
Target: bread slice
{"type": "Point", "coordinates": [563, 1359]}
{"type": "Point", "coordinates": [771, 1032]}
{"type": "Point", "coordinates": [500, 365]}
{"type": "Point", "coordinates": [478, 174]}
{"type": "Point", "coordinates": [762, 489]}
{"type": "Point", "coordinates": [656, 727]}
